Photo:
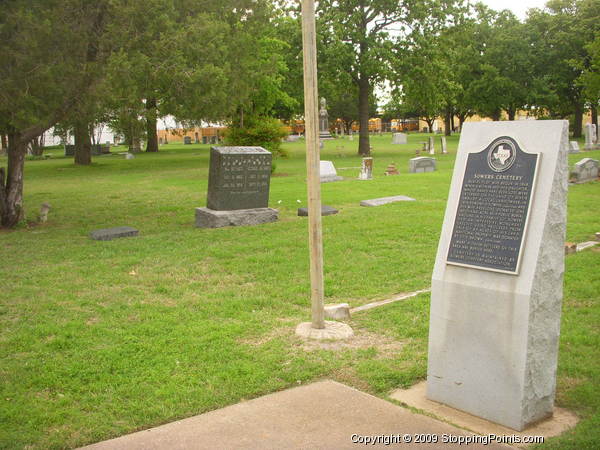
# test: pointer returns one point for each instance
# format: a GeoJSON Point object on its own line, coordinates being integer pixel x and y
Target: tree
{"type": "Point", "coordinates": [356, 40]}
{"type": "Point", "coordinates": [46, 69]}
{"type": "Point", "coordinates": [560, 34]}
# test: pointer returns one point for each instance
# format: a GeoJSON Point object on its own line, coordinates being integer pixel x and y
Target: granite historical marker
{"type": "Point", "coordinates": [493, 208]}
{"type": "Point", "coordinates": [239, 178]}
{"type": "Point", "coordinates": [238, 188]}
{"type": "Point", "coordinates": [496, 288]}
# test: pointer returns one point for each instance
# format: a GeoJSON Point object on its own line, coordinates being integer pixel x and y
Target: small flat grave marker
{"type": "Point", "coordinates": [108, 234]}
{"type": "Point", "coordinates": [325, 211]}
{"type": "Point", "coordinates": [385, 200]}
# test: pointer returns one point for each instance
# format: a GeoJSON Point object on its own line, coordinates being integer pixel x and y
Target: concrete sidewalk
{"type": "Point", "coordinates": [322, 415]}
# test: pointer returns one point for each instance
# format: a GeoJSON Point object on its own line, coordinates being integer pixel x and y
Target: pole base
{"type": "Point", "coordinates": [332, 330]}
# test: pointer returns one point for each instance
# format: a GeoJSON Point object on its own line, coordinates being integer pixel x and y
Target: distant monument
{"type": "Point", "coordinates": [324, 121]}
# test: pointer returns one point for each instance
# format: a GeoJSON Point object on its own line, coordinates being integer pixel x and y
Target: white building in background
{"type": "Point", "coordinates": [101, 136]}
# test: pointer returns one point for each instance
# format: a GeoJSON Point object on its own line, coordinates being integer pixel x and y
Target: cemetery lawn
{"type": "Point", "coordinates": [99, 339]}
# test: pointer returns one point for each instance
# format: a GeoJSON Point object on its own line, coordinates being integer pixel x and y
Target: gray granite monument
{"type": "Point", "coordinates": [421, 164]}
{"type": "Point", "coordinates": [498, 276]}
{"type": "Point", "coordinates": [585, 170]}
{"type": "Point", "coordinates": [238, 188]}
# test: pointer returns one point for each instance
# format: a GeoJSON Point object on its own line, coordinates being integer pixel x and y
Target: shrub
{"type": "Point", "coordinates": [265, 132]}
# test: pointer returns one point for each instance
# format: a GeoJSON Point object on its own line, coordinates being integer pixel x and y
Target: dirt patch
{"type": "Point", "coordinates": [362, 340]}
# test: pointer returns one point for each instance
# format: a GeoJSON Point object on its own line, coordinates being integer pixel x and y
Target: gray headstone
{"type": "Point", "coordinates": [187, 140]}
{"type": "Point", "coordinates": [498, 276]}
{"type": "Point", "coordinates": [399, 138]}
{"type": "Point", "coordinates": [590, 136]}
{"type": "Point", "coordinates": [108, 234]}
{"type": "Point", "coordinates": [385, 200]}
{"type": "Point", "coordinates": [421, 164]}
{"type": "Point", "coordinates": [325, 211]}
{"type": "Point", "coordinates": [431, 145]}
{"type": "Point", "coordinates": [69, 150]}
{"type": "Point", "coordinates": [205, 139]}
{"type": "Point", "coordinates": [585, 170]}
{"type": "Point", "coordinates": [324, 121]}
{"type": "Point", "coordinates": [327, 172]}
{"type": "Point", "coordinates": [574, 147]}
{"type": "Point", "coordinates": [366, 170]}
{"type": "Point", "coordinates": [239, 178]}
{"type": "Point", "coordinates": [129, 156]}
{"type": "Point", "coordinates": [444, 145]}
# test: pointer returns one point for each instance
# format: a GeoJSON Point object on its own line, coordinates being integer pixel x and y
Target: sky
{"type": "Point", "coordinates": [518, 7]}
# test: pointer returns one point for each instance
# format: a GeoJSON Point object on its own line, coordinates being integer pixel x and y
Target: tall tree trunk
{"type": "Point", "coordinates": [364, 148]}
{"type": "Point", "coordinates": [152, 138]}
{"type": "Point", "coordinates": [83, 147]}
{"type": "Point", "coordinates": [511, 113]}
{"type": "Point", "coordinates": [461, 120]}
{"type": "Point", "coordinates": [11, 182]}
{"type": "Point", "coordinates": [4, 141]}
{"type": "Point", "coordinates": [578, 121]}
{"type": "Point", "coordinates": [448, 122]}
{"type": "Point", "coordinates": [594, 112]}
{"type": "Point", "coordinates": [496, 115]}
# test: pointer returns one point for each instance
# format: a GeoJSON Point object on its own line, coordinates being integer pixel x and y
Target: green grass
{"type": "Point", "coordinates": [99, 339]}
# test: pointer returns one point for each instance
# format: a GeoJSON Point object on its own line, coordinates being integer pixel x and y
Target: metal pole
{"type": "Point", "coordinates": [315, 235]}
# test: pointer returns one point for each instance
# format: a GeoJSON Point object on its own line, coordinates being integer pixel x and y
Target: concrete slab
{"type": "Point", "coordinates": [560, 422]}
{"type": "Point", "coordinates": [322, 415]}
{"type": "Point", "coordinates": [325, 211]}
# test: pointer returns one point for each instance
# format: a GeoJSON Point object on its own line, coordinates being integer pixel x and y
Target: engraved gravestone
{"type": "Point", "coordinates": [431, 145]}
{"type": "Point", "coordinates": [187, 140]}
{"type": "Point", "coordinates": [590, 136]}
{"type": "Point", "coordinates": [366, 170]}
{"type": "Point", "coordinates": [327, 172]}
{"type": "Point", "coordinates": [444, 145]}
{"type": "Point", "coordinates": [238, 188]}
{"type": "Point", "coordinates": [573, 147]}
{"type": "Point", "coordinates": [399, 138]}
{"type": "Point", "coordinates": [421, 164]}
{"type": "Point", "coordinates": [69, 150]}
{"type": "Point", "coordinates": [585, 170]}
{"type": "Point", "coordinates": [497, 280]}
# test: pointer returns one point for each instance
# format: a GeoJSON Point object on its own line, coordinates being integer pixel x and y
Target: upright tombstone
{"type": "Point", "coordinates": [431, 145]}
{"type": "Point", "coordinates": [327, 172]}
{"type": "Point", "coordinates": [238, 188]}
{"type": "Point", "coordinates": [69, 150]}
{"type": "Point", "coordinates": [585, 170]}
{"type": "Point", "coordinates": [590, 137]}
{"type": "Point", "coordinates": [421, 164]}
{"type": "Point", "coordinates": [497, 280]}
{"type": "Point", "coordinates": [324, 121]}
{"type": "Point", "coordinates": [399, 138]}
{"type": "Point", "coordinates": [366, 170]}
{"type": "Point", "coordinates": [187, 140]}
{"type": "Point", "coordinates": [444, 145]}
{"type": "Point", "coordinates": [573, 147]}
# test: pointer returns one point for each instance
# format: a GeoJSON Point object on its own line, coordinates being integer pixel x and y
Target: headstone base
{"type": "Point", "coordinates": [210, 218]}
{"type": "Point", "coordinates": [332, 330]}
